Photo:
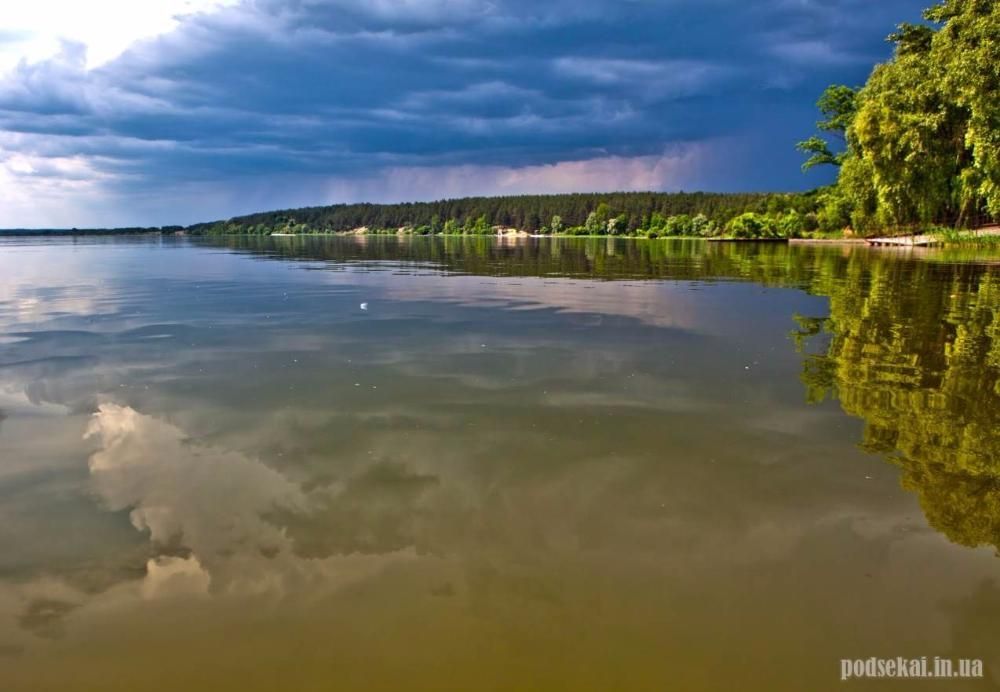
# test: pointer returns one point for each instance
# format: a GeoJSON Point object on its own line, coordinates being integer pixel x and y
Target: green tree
{"type": "Point", "coordinates": [480, 226]}
{"type": "Point", "coordinates": [838, 104]}
{"type": "Point", "coordinates": [923, 134]}
{"type": "Point", "coordinates": [909, 135]}
{"type": "Point", "coordinates": [680, 224]}
{"type": "Point", "coordinates": [790, 224]}
{"type": "Point", "coordinates": [751, 225]}
{"type": "Point", "coordinates": [968, 50]}
{"type": "Point", "coordinates": [701, 225]}
{"type": "Point", "coordinates": [618, 224]}
{"type": "Point", "coordinates": [597, 220]}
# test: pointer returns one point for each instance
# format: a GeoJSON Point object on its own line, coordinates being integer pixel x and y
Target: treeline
{"type": "Point", "coordinates": [618, 213]}
{"type": "Point", "coordinates": [920, 141]}
{"type": "Point", "coordinates": [130, 230]}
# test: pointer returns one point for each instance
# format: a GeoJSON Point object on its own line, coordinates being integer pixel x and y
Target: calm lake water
{"type": "Point", "coordinates": [461, 464]}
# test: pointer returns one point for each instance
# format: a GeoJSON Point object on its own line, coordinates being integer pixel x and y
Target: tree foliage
{"type": "Point", "coordinates": [617, 213]}
{"type": "Point", "coordinates": [838, 105]}
{"type": "Point", "coordinates": [923, 134]}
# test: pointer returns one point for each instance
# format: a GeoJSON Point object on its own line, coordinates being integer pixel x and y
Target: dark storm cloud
{"type": "Point", "coordinates": [328, 89]}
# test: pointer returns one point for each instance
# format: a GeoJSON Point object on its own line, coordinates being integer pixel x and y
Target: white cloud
{"type": "Point", "coordinates": [34, 190]}
{"type": "Point", "coordinates": [813, 52]}
{"type": "Point", "coordinates": [430, 11]}
{"type": "Point", "coordinates": [659, 78]}
{"type": "Point", "coordinates": [105, 27]}
{"type": "Point", "coordinates": [172, 486]}
{"type": "Point", "coordinates": [171, 576]}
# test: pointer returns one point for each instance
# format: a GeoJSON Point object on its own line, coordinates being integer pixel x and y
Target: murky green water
{"type": "Point", "coordinates": [380, 464]}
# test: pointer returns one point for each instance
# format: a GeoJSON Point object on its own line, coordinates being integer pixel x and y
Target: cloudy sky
{"type": "Point", "coordinates": [117, 112]}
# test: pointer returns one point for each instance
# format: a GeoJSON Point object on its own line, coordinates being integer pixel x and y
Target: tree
{"type": "Point", "coordinates": [968, 50]}
{"type": "Point", "coordinates": [480, 226]}
{"type": "Point", "coordinates": [910, 134]}
{"type": "Point", "coordinates": [835, 205]}
{"type": "Point", "coordinates": [751, 225]}
{"type": "Point", "coordinates": [680, 224]}
{"type": "Point", "coordinates": [923, 134]}
{"type": "Point", "coordinates": [838, 105]}
{"type": "Point", "coordinates": [790, 225]}
{"type": "Point", "coordinates": [701, 225]}
{"type": "Point", "coordinates": [618, 225]}
{"type": "Point", "coordinates": [519, 211]}
{"type": "Point", "coordinates": [597, 220]}
{"type": "Point", "coordinates": [912, 38]}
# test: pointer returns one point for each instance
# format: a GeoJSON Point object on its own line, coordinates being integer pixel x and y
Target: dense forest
{"type": "Point", "coordinates": [919, 143]}
{"type": "Point", "coordinates": [618, 213]}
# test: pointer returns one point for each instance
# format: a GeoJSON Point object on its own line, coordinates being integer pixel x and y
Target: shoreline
{"type": "Point", "coordinates": [966, 239]}
{"type": "Point", "coordinates": [827, 241]}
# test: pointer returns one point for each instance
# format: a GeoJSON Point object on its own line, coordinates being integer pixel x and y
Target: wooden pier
{"type": "Point", "coordinates": [905, 241]}
{"type": "Point", "coordinates": [925, 240]}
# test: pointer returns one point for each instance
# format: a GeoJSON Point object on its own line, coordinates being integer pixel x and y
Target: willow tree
{"type": "Point", "coordinates": [967, 48]}
{"type": "Point", "coordinates": [909, 136]}
{"type": "Point", "coordinates": [838, 104]}
{"type": "Point", "coordinates": [923, 137]}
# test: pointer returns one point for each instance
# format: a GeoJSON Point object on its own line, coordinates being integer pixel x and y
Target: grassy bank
{"type": "Point", "coordinates": [985, 237]}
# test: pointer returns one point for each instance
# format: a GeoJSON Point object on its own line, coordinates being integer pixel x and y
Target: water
{"type": "Point", "coordinates": [553, 465]}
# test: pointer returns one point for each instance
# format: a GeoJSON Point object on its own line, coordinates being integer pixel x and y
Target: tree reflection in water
{"type": "Point", "coordinates": [916, 355]}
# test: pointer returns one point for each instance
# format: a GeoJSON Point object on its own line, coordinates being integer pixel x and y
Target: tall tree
{"type": "Point", "coordinates": [922, 137]}
{"type": "Point", "coordinates": [910, 134]}
{"type": "Point", "coordinates": [968, 50]}
{"type": "Point", "coordinates": [838, 105]}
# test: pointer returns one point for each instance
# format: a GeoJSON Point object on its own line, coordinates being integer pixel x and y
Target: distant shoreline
{"type": "Point", "coordinates": [352, 234]}
{"type": "Point", "coordinates": [949, 239]}
{"type": "Point", "coordinates": [76, 232]}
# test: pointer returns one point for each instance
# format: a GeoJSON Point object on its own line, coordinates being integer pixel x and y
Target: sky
{"type": "Point", "coordinates": [120, 113]}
